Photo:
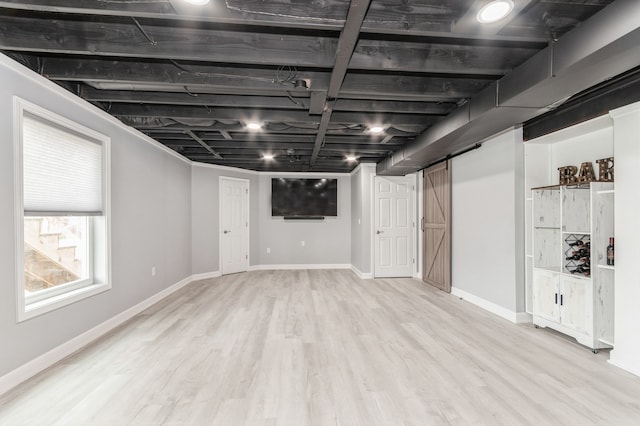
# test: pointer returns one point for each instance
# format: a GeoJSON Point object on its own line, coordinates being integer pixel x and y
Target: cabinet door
{"type": "Point", "coordinates": [546, 295]}
{"type": "Point", "coordinates": [576, 310]}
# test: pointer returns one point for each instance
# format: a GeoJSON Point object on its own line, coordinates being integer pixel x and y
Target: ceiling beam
{"type": "Point", "coordinates": [382, 22]}
{"type": "Point", "coordinates": [346, 45]}
{"type": "Point", "coordinates": [225, 135]}
{"type": "Point", "coordinates": [153, 41]}
{"type": "Point", "coordinates": [237, 101]}
{"type": "Point", "coordinates": [264, 115]}
{"type": "Point", "coordinates": [240, 138]}
{"type": "Point", "coordinates": [128, 75]}
{"type": "Point", "coordinates": [204, 145]}
{"type": "Point", "coordinates": [177, 75]}
{"type": "Point", "coordinates": [420, 57]}
{"type": "Point", "coordinates": [268, 102]}
{"type": "Point", "coordinates": [274, 129]}
{"type": "Point", "coordinates": [222, 146]}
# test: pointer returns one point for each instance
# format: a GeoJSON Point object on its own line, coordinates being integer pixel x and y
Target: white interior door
{"type": "Point", "coordinates": [394, 226]}
{"type": "Point", "coordinates": [234, 225]}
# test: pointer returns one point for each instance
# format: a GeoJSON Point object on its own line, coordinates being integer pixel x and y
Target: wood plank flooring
{"type": "Point", "coordinates": [317, 347]}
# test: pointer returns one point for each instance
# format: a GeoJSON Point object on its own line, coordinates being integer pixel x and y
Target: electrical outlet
{"type": "Point", "coordinates": [268, 250]}
{"type": "Point", "coordinates": [153, 271]}
{"type": "Point", "coordinates": [302, 243]}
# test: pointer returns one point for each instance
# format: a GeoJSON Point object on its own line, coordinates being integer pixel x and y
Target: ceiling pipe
{"type": "Point", "coordinates": [606, 45]}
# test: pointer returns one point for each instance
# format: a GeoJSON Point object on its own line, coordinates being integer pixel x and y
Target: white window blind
{"type": "Point", "coordinates": [62, 170]}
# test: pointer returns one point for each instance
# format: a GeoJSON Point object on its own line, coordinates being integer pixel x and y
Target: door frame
{"type": "Point", "coordinates": [414, 217]}
{"type": "Point", "coordinates": [248, 198]}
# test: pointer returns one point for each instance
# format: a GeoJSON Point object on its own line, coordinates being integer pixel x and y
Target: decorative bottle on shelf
{"type": "Point", "coordinates": [610, 252]}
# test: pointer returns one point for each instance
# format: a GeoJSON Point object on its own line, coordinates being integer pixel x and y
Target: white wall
{"type": "Point", "coordinates": [361, 219]}
{"type": "Point", "coordinates": [626, 352]}
{"type": "Point", "coordinates": [151, 221]}
{"type": "Point", "coordinates": [488, 225]}
{"type": "Point", "coordinates": [327, 242]}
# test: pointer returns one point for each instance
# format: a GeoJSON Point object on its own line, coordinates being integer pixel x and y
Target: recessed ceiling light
{"type": "Point", "coordinates": [376, 129]}
{"type": "Point", "coordinates": [351, 158]}
{"type": "Point", "coordinates": [494, 11]}
{"type": "Point", "coordinates": [267, 156]}
{"type": "Point", "coordinates": [197, 2]}
{"type": "Point", "coordinates": [254, 126]}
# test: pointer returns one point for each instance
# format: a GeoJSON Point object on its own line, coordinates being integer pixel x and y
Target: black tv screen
{"type": "Point", "coordinates": [304, 197]}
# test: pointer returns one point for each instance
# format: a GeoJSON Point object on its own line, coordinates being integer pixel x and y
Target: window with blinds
{"type": "Point", "coordinates": [64, 209]}
{"type": "Point", "coordinates": [62, 169]}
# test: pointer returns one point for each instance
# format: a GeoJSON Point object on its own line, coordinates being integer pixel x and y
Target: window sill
{"type": "Point", "coordinates": [55, 302]}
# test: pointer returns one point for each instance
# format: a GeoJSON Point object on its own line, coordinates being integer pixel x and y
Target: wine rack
{"type": "Point", "coordinates": [572, 285]}
{"type": "Point", "coordinates": [577, 254]}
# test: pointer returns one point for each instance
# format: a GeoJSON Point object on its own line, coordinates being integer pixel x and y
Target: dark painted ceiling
{"type": "Point", "coordinates": [317, 74]}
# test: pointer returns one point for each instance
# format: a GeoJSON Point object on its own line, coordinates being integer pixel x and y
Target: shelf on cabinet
{"type": "Point", "coordinates": [578, 276]}
{"type": "Point", "coordinates": [555, 269]}
{"type": "Point", "coordinates": [610, 267]}
{"type": "Point", "coordinates": [606, 191]}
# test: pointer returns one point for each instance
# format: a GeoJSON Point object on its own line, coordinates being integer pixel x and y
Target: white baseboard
{"type": "Point", "coordinates": [514, 317]}
{"type": "Point", "coordinates": [35, 366]}
{"type": "Point", "coordinates": [360, 274]}
{"type": "Point", "coordinates": [312, 266]}
{"type": "Point", "coordinates": [632, 368]}
{"type": "Point", "coordinates": [205, 276]}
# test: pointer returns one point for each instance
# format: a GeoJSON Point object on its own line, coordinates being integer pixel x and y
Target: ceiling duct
{"type": "Point", "coordinates": [605, 46]}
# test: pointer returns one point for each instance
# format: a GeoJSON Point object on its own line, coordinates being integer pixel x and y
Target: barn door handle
{"type": "Point", "coordinates": [422, 224]}
{"type": "Point", "coordinates": [379, 232]}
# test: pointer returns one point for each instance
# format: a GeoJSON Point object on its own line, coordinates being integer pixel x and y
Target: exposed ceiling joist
{"type": "Point", "coordinates": [243, 115]}
{"type": "Point", "coordinates": [317, 75]}
{"type": "Point", "coordinates": [165, 76]}
{"type": "Point", "coordinates": [270, 102]}
{"type": "Point", "coordinates": [204, 145]}
{"type": "Point", "coordinates": [154, 41]}
{"type": "Point", "coordinates": [346, 45]}
{"type": "Point", "coordinates": [412, 24]}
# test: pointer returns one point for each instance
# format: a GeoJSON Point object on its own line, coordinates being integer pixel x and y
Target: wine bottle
{"type": "Point", "coordinates": [576, 256]}
{"type": "Point", "coordinates": [610, 252]}
{"type": "Point", "coordinates": [581, 269]}
{"type": "Point", "coordinates": [576, 243]}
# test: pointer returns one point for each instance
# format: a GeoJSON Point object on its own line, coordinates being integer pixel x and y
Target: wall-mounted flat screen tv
{"type": "Point", "coordinates": [304, 197]}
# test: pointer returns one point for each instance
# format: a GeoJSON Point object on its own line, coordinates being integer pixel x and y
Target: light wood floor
{"type": "Point", "coordinates": [325, 348]}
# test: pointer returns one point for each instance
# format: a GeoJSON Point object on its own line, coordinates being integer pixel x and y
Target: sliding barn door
{"type": "Point", "coordinates": [436, 226]}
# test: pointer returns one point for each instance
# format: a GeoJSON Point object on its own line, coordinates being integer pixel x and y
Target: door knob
{"type": "Point", "coordinates": [226, 232]}
{"type": "Point", "coordinates": [379, 232]}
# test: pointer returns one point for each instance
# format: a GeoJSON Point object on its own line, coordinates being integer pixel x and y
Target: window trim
{"type": "Point", "coordinates": [24, 310]}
